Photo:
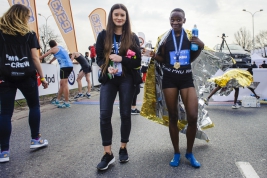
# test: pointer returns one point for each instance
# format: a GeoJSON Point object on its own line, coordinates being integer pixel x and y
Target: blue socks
{"type": "Point", "coordinates": [176, 160]}
{"type": "Point", "coordinates": [192, 160]}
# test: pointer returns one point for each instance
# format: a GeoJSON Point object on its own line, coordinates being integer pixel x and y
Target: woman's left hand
{"type": "Point", "coordinates": [197, 41]}
{"type": "Point", "coordinates": [115, 58]}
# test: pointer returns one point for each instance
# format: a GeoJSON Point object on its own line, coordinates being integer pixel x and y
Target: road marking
{"type": "Point", "coordinates": [246, 170]}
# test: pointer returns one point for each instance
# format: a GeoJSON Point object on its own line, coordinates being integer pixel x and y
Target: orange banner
{"type": "Point", "coordinates": [98, 21]}
{"type": "Point", "coordinates": [33, 24]}
{"type": "Point", "coordinates": [62, 13]}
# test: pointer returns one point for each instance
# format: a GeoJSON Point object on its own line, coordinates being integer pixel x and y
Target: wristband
{"type": "Point", "coordinates": [42, 79]}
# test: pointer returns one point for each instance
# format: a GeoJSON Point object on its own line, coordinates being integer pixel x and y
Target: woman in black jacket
{"type": "Point", "coordinates": [118, 56]}
{"type": "Point", "coordinates": [14, 35]}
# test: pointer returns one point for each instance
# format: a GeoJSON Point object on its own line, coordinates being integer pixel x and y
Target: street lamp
{"type": "Point", "coordinates": [252, 14]}
{"type": "Point", "coordinates": [45, 34]}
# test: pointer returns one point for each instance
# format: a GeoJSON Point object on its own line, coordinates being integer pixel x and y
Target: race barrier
{"type": "Point", "coordinates": [51, 74]}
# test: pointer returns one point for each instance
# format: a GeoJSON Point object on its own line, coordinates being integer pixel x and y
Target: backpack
{"type": "Point", "coordinates": [16, 60]}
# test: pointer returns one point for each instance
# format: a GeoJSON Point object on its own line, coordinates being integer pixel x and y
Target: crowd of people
{"type": "Point", "coordinates": [117, 53]}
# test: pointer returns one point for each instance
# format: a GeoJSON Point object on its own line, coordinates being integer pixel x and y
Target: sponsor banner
{"type": "Point", "coordinates": [98, 21]}
{"type": "Point", "coordinates": [33, 24]}
{"type": "Point", "coordinates": [62, 13]}
{"type": "Point", "coordinates": [96, 70]}
{"type": "Point", "coordinates": [51, 74]}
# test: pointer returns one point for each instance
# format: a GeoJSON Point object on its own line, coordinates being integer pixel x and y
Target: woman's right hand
{"type": "Point", "coordinates": [45, 84]}
{"type": "Point", "coordinates": [112, 70]}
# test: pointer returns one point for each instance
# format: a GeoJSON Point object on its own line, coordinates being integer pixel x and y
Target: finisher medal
{"type": "Point", "coordinates": [176, 65]}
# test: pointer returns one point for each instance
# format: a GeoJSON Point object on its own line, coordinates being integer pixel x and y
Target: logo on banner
{"type": "Point", "coordinates": [27, 4]}
{"type": "Point", "coordinates": [95, 18]}
{"type": "Point", "coordinates": [61, 15]}
{"type": "Point", "coordinates": [71, 78]}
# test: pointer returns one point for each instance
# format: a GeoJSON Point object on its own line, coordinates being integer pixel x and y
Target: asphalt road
{"type": "Point", "coordinates": [75, 145]}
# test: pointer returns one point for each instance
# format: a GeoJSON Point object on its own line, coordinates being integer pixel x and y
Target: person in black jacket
{"type": "Point", "coordinates": [14, 30]}
{"type": "Point", "coordinates": [118, 56]}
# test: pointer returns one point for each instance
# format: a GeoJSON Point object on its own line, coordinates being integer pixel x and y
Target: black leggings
{"type": "Point", "coordinates": [137, 91]}
{"type": "Point", "coordinates": [125, 87]}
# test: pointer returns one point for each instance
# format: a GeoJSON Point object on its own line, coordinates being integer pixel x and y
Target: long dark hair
{"type": "Point", "coordinates": [127, 40]}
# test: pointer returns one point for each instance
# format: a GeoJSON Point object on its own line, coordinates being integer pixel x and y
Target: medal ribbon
{"type": "Point", "coordinates": [117, 64]}
{"type": "Point", "coordinates": [177, 51]}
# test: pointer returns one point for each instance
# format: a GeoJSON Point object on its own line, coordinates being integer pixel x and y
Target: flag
{"type": "Point", "coordinates": [98, 21]}
{"type": "Point", "coordinates": [61, 10]}
{"type": "Point", "coordinates": [33, 24]}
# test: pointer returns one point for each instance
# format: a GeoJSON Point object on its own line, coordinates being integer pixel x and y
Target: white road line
{"type": "Point", "coordinates": [246, 170]}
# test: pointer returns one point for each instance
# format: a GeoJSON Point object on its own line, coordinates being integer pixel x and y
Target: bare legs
{"type": "Point", "coordinates": [253, 91]}
{"type": "Point", "coordinates": [87, 77]}
{"type": "Point", "coordinates": [63, 89]}
{"type": "Point", "coordinates": [189, 99]}
{"type": "Point", "coordinates": [236, 95]}
{"type": "Point", "coordinates": [171, 97]}
{"type": "Point", "coordinates": [214, 91]}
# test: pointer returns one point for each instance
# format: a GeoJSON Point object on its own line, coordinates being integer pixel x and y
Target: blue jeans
{"type": "Point", "coordinates": [8, 89]}
{"type": "Point", "coordinates": [125, 86]}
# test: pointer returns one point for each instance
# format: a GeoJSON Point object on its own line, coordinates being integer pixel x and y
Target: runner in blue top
{"type": "Point", "coordinates": [66, 68]}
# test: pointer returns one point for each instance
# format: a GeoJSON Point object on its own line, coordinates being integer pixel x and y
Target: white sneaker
{"type": "Point", "coordinates": [236, 106]}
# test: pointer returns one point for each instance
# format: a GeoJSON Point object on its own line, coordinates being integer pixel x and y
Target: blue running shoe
{"type": "Point", "coordinates": [55, 102]}
{"type": "Point", "coordinates": [4, 156]}
{"type": "Point", "coordinates": [176, 160]}
{"type": "Point", "coordinates": [192, 160]}
{"type": "Point", "coordinates": [64, 105]}
{"type": "Point", "coordinates": [38, 143]}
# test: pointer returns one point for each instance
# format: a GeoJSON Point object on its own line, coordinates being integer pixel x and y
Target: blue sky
{"type": "Point", "coordinates": [213, 17]}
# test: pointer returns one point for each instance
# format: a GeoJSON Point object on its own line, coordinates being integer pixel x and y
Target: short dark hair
{"type": "Point", "coordinates": [70, 55]}
{"type": "Point", "coordinates": [52, 43]}
{"type": "Point", "coordinates": [178, 10]}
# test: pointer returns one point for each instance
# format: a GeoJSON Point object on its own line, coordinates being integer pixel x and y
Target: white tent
{"type": "Point", "coordinates": [258, 59]}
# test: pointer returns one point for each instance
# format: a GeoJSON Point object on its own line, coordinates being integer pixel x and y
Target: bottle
{"type": "Point", "coordinates": [194, 47]}
{"type": "Point", "coordinates": [148, 48]}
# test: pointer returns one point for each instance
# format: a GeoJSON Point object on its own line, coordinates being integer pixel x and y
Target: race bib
{"type": "Point", "coordinates": [184, 58]}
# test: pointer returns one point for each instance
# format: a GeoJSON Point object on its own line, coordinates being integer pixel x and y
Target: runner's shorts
{"type": "Point", "coordinates": [65, 72]}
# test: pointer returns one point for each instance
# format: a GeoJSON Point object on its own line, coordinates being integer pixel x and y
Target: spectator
{"type": "Point", "coordinates": [118, 75]}
{"type": "Point", "coordinates": [144, 71]}
{"type": "Point", "coordinates": [14, 30]}
{"type": "Point", "coordinates": [92, 54]}
{"type": "Point", "coordinates": [87, 58]}
{"type": "Point", "coordinates": [254, 65]}
{"type": "Point", "coordinates": [263, 65]}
